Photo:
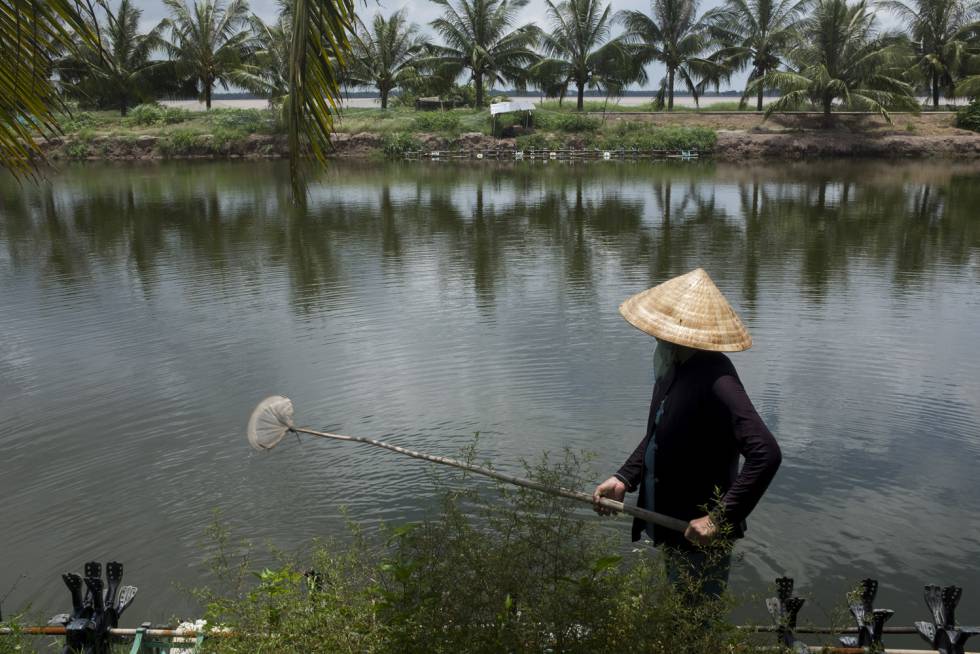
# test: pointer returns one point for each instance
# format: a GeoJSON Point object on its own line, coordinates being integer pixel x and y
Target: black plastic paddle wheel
{"type": "Point", "coordinates": [96, 611]}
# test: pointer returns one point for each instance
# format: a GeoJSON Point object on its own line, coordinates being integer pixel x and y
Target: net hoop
{"type": "Point", "coordinates": [269, 422]}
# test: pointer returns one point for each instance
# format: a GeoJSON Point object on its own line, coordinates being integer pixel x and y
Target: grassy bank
{"type": "Point", "coordinates": [168, 132]}
{"type": "Point", "coordinates": [153, 132]}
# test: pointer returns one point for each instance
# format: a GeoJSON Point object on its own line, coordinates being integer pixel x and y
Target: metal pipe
{"type": "Point", "coordinates": [173, 633]}
{"type": "Point", "coordinates": [771, 629]}
{"type": "Point", "coordinates": [156, 633]}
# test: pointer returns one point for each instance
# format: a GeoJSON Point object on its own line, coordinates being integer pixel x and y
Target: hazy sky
{"type": "Point", "coordinates": [423, 11]}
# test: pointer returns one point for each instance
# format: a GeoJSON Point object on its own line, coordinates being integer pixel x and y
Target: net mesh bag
{"type": "Point", "coordinates": [270, 421]}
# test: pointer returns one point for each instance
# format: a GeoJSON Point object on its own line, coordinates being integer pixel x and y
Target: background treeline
{"type": "Point", "coordinates": [826, 55]}
{"type": "Point", "coordinates": [819, 54]}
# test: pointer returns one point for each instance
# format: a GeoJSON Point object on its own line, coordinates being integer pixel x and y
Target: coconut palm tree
{"type": "Point", "coordinates": [384, 55]}
{"type": "Point", "coordinates": [943, 36]}
{"type": "Point", "coordinates": [266, 71]}
{"type": "Point", "coordinates": [840, 57]}
{"type": "Point", "coordinates": [755, 34]}
{"type": "Point", "coordinates": [673, 36]}
{"type": "Point", "coordinates": [33, 35]}
{"type": "Point", "coordinates": [114, 74]}
{"type": "Point", "coordinates": [479, 38]}
{"type": "Point", "coordinates": [209, 40]}
{"type": "Point", "coordinates": [576, 50]}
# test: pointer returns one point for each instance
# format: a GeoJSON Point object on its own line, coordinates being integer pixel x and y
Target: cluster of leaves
{"type": "Point", "coordinates": [566, 122]}
{"type": "Point", "coordinates": [398, 143]}
{"type": "Point", "coordinates": [245, 121]}
{"type": "Point", "coordinates": [182, 142]}
{"type": "Point", "coordinates": [969, 117]}
{"type": "Point", "coordinates": [156, 114]}
{"type": "Point", "coordinates": [437, 121]}
{"type": "Point", "coordinates": [77, 121]}
{"type": "Point", "coordinates": [627, 134]}
{"type": "Point", "coordinates": [520, 574]}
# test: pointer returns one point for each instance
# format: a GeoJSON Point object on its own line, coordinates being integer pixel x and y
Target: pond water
{"type": "Point", "coordinates": [144, 310]}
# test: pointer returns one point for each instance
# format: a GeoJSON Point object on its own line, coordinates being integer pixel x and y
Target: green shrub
{"type": "Point", "coordinates": [536, 141]}
{"type": "Point", "coordinates": [522, 573]}
{"type": "Point", "coordinates": [76, 150]}
{"type": "Point", "coordinates": [174, 115]}
{"type": "Point", "coordinates": [156, 114]}
{"type": "Point", "coordinates": [182, 142]}
{"type": "Point", "coordinates": [566, 122]}
{"type": "Point", "coordinates": [397, 144]}
{"type": "Point", "coordinates": [464, 94]}
{"type": "Point", "coordinates": [85, 135]}
{"type": "Point", "coordinates": [222, 138]}
{"type": "Point", "coordinates": [626, 134]}
{"type": "Point", "coordinates": [248, 121]}
{"type": "Point", "coordinates": [436, 121]}
{"type": "Point", "coordinates": [77, 121]}
{"type": "Point", "coordinates": [147, 114]}
{"type": "Point", "coordinates": [969, 117]}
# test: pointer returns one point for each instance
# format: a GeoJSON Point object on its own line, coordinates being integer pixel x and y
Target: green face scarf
{"type": "Point", "coordinates": [664, 358]}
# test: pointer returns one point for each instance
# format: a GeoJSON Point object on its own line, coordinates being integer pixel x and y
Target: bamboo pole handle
{"type": "Point", "coordinates": [648, 516]}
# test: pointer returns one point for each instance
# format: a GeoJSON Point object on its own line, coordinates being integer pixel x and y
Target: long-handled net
{"type": "Point", "coordinates": [272, 419]}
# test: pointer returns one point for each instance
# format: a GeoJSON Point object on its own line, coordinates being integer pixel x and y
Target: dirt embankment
{"type": "Point", "coordinates": [741, 146]}
{"type": "Point", "coordinates": [749, 136]}
{"type": "Point", "coordinates": [741, 137]}
{"type": "Point", "coordinates": [254, 146]}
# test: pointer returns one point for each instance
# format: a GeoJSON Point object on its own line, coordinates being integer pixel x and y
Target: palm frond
{"type": "Point", "coordinates": [319, 50]}
{"type": "Point", "coordinates": [33, 34]}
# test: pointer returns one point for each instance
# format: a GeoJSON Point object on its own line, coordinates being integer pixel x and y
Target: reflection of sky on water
{"type": "Point", "coordinates": [147, 309]}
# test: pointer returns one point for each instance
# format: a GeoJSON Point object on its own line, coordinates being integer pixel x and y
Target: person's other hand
{"type": "Point", "coordinates": [614, 489]}
{"type": "Point", "coordinates": [701, 531]}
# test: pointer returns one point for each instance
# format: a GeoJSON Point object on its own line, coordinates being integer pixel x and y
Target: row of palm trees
{"type": "Point", "coordinates": [207, 44]}
{"type": "Point", "coordinates": [818, 53]}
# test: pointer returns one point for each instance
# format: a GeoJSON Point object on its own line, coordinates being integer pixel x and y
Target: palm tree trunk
{"type": "Point", "coordinates": [670, 89]}
{"type": "Point", "coordinates": [207, 93]}
{"type": "Point", "coordinates": [827, 102]}
{"type": "Point", "coordinates": [123, 105]}
{"type": "Point", "coordinates": [581, 96]}
{"type": "Point", "coordinates": [384, 97]}
{"type": "Point", "coordinates": [935, 90]}
{"type": "Point", "coordinates": [478, 81]}
{"type": "Point", "coordinates": [758, 99]}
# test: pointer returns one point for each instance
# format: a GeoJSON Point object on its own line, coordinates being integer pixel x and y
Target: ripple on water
{"type": "Point", "coordinates": [424, 305]}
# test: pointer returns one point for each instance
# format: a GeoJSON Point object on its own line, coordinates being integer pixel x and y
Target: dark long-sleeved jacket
{"type": "Point", "coordinates": [707, 422]}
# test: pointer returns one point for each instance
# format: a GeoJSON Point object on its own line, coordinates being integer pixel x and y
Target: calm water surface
{"type": "Point", "coordinates": [145, 310]}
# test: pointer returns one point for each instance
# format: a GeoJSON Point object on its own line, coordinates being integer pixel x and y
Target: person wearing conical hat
{"type": "Point", "coordinates": [700, 422]}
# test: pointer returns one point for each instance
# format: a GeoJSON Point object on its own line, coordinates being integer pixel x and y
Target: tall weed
{"type": "Point", "coordinates": [521, 572]}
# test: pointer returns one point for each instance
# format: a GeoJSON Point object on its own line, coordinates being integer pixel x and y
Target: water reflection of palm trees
{"type": "Point", "coordinates": [228, 224]}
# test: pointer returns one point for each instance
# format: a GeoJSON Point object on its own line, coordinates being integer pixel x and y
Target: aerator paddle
{"type": "Point", "coordinates": [272, 419]}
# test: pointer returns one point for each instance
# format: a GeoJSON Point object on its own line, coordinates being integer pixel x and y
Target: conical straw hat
{"type": "Point", "coordinates": [688, 310]}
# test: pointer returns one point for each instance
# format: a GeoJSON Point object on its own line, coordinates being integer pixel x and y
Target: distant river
{"type": "Point", "coordinates": [144, 310]}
